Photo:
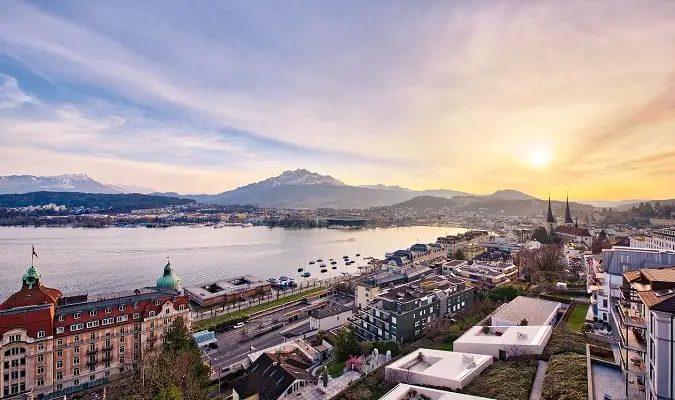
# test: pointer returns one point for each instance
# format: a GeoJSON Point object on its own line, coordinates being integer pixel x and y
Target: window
{"type": "Point", "coordinates": [92, 378]}
{"type": "Point", "coordinates": [41, 334]}
{"type": "Point", "coordinates": [604, 303]}
{"type": "Point", "coordinates": [40, 382]}
{"type": "Point", "coordinates": [40, 370]}
{"type": "Point", "coordinates": [92, 324]}
{"type": "Point", "coordinates": [41, 347]}
{"type": "Point", "coordinates": [151, 314]}
{"type": "Point", "coordinates": [167, 311]}
{"type": "Point", "coordinates": [77, 315]}
{"type": "Point", "coordinates": [152, 324]}
{"type": "Point", "coordinates": [121, 349]}
{"type": "Point", "coordinates": [181, 307]}
{"type": "Point", "coordinates": [92, 336]}
{"type": "Point", "coordinates": [121, 359]}
{"type": "Point", "coordinates": [107, 373]}
{"type": "Point", "coordinates": [59, 364]}
{"type": "Point", "coordinates": [15, 338]}
{"type": "Point", "coordinates": [122, 318]}
{"type": "Point", "coordinates": [92, 347]}
{"type": "Point", "coordinates": [123, 307]}
{"type": "Point", "coordinates": [107, 321]}
{"type": "Point", "coordinates": [76, 371]}
{"type": "Point", "coordinates": [157, 302]}
{"type": "Point", "coordinates": [76, 382]}
{"type": "Point", "coordinates": [62, 318]}
{"type": "Point", "coordinates": [122, 331]}
{"type": "Point", "coordinates": [136, 305]}
{"type": "Point", "coordinates": [76, 327]}
{"type": "Point", "coordinates": [93, 313]}
{"type": "Point", "coordinates": [59, 376]}
{"type": "Point", "coordinates": [137, 315]}
{"type": "Point", "coordinates": [59, 386]}
{"type": "Point", "coordinates": [40, 358]}
{"type": "Point", "coordinates": [76, 360]}
{"type": "Point", "coordinates": [59, 353]}
{"type": "Point", "coordinates": [60, 330]}
{"type": "Point", "coordinates": [108, 310]}
{"type": "Point", "coordinates": [59, 342]}
{"type": "Point", "coordinates": [76, 349]}
{"type": "Point", "coordinates": [15, 374]}
{"type": "Point", "coordinates": [167, 321]}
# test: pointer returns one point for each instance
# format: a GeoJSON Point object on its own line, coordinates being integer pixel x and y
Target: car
{"type": "Point", "coordinates": [238, 325]}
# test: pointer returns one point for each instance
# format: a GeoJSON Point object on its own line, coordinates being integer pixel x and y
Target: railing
{"type": "Point", "coordinates": [91, 351]}
{"type": "Point", "coordinates": [632, 317]}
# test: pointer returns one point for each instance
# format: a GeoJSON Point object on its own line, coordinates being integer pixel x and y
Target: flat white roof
{"type": "Point", "coordinates": [536, 311]}
{"type": "Point", "coordinates": [439, 363]}
{"type": "Point", "coordinates": [400, 392]}
{"type": "Point", "coordinates": [507, 335]}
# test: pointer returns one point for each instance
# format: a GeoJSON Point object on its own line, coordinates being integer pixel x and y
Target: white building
{"type": "Point", "coordinates": [662, 239]}
{"type": "Point", "coordinates": [447, 369]}
{"type": "Point", "coordinates": [329, 317]}
{"type": "Point", "coordinates": [535, 311]}
{"type": "Point", "coordinates": [403, 391]}
{"type": "Point", "coordinates": [504, 341]}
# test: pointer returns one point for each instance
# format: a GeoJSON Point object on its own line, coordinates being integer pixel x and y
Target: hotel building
{"type": "Point", "coordinates": [52, 345]}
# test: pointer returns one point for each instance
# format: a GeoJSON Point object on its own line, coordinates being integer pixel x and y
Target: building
{"type": "Point", "coordinates": [228, 290]}
{"type": "Point", "coordinates": [504, 341]}
{"type": "Point", "coordinates": [615, 262]}
{"type": "Point", "coordinates": [402, 313]}
{"type": "Point", "coordinates": [473, 250]}
{"type": "Point", "coordinates": [575, 234]}
{"type": "Point", "coordinates": [404, 391]}
{"type": "Point", "coordinates": [481, 277]}
{"type": "Point", "coordinates": [438, 368]}
{"type": "Point", "coordinates": [365, 293]}
{"type": "Point", "coordinates": [551, 223]}
{"type": "Point", "coordinates": [452, 243]}
{"type": "Point", "coordinates": [53, 345]}
{"type": "Point", "coordinates": [369, 288]}
{"type": "Point", "coordinates": [329, 317]}
{"type": "Point", "coordinates": [449, 267]}
{"type": "Point", "coordinates": [662, 239]}
{"type": "Point", "coordinates": [645, 325]}
{"type": "Point", "coordinates": [535, 311]}
{"type": "Point", "coordinates": [273, 375]}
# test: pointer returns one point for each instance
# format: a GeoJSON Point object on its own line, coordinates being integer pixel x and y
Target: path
{"type": "Point", "coordinates": [535, 394]}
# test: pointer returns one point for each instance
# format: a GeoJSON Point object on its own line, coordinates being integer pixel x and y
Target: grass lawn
{"type": "Point", "coordinates": [335, 368]}
{"type": "Point", "coordinates": [578, 317]}
{"type": "Point", "coordinates": [505, 380]}
{"type": "Point", "coordinates": [210, 323]}
{"type": "Point", "coordinates": [565, 378]}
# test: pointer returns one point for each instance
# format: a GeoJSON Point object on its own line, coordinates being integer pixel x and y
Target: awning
{"type": "Point", "coordinates": [204, 338]}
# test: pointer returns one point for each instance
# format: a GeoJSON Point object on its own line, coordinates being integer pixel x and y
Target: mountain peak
{"type": "Point", "coordinates": [510, 194]}
{"type": "Point", "coordinates": [300, 176]}
{"type": "Point", "coordinates": [58, 183]}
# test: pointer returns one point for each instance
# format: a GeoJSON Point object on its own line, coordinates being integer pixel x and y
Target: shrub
{"type": "Point", "coordinates": [505, 380]}
{"type": "Point", "coordinates": [566, 378]}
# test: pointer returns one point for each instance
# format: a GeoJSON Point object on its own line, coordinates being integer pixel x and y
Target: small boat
{"type": "Point", "coordinates": [323, 271]}
{"type": "Point", "coordinates": [358, 254]}
{"type": "Point", "coordinates": [323, 265]}
{"type": "Point", "coordinates": [306, 275]}
{"type": "Point", "coordinates": [345, 257]}
{"type": "Point", "coordinates": [319, 260]}
{"type": "Point", "coordinates": [333, 262]}
{"type": "Point", "coordinates": [311, 262]}
{"type": "Point", "coordinates": [300, 269]}
{"type": "Point", "coordinates": [334, 267]}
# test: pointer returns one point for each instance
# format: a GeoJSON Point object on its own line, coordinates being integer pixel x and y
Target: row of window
{"type": "Point", "coordinates": [93, 324]}
{"type": "Point", "coordinates": [14, 363]}
{"type": "Point", "coordinates": [107, 310]}
{"type": "Point", "coordinates": [14, 375]}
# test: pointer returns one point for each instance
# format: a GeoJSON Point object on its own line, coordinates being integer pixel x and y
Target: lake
{"type": "Point", "coordinates": [94, 261]}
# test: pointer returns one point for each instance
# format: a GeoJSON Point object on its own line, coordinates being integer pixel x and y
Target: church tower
{"type": "Point", "coordinates": [568, 214]}
{"type": "Point", "coordinates": [550, 219]}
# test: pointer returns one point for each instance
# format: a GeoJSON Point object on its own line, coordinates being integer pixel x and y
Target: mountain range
{"type": "Point", "coordinates": [291, 189]}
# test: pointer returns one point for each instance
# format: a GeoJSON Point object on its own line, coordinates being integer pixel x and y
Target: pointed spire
{"type": "Point", "coordinates": [568, 214]}
{"type": "Point", "coordinates": [549, 217]}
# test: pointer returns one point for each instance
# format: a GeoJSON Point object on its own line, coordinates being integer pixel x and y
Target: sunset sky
{"type": "Point", "coordinates": [204, 96]}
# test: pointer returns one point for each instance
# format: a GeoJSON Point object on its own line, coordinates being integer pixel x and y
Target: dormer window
{"type": "Point", "coordinates": [77, 315]}
{"type": "Point", "coordinates": [151, 314]}
{"type": "Point", "coordinates": [157, 302]}
{"type": "Point", "coordinates": [123, 307]}
{"type": "Point", "coordinates": [62, 318]}
{"type": "Point", "coordinates": [92, 313]}
{"type": "Point", "coordinates": [108, 310]}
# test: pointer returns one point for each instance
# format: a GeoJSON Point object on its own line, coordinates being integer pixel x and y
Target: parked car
{"type": "Point", "coordinates": [238, 325]}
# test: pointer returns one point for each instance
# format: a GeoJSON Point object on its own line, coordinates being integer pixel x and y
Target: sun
{"type": "Point", "coordinates": [540, 158]}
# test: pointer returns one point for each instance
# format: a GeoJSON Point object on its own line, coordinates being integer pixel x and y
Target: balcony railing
{"type": "Point", "coordinates": [91, 362]}
{"type": "Point", "coordinates": [631, 317]}
{"type": "Point", "coordinates": [92, 351]}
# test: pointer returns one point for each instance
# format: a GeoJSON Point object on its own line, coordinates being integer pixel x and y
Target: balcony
{"type": "Point", "coordinates": [106, 358]}
{"type": "Point", "coordinates": [631, 317]}
{"type": "Point", "coordinates": [107, 348]}
{"type": "Point", "coordinates": [91, 351]}
{"type": "Point", "coordinates": [633, 361]}
{"type": "Point", "coordinates": [91, 362]}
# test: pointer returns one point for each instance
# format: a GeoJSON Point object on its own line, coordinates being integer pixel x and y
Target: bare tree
{"type": "Point", "coordinates": [546, 263]}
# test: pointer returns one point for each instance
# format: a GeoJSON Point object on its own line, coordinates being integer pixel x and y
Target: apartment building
{"type": "Point", "coordinates": [403, 312]}
{"type": "Point", "coordinates": [452, 243]}
{"type": "Point", "coordinates": [644, 319]}
{"type": "Point", "coordinates": [54, 345]}
{"type": "Point", "coordinates": [662, 239]}
{"type": "Point", "coordinates": [486, 275]}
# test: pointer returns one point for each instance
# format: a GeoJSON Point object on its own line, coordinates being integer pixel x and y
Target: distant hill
{"type": "Point", "coordinates": [59, 183]}
{"type": "Point", "coordinates": [510, 195]}
{"type": "Point", "coordinates": [109, 202]}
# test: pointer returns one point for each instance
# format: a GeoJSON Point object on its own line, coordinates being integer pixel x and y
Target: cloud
{"type": "Point", "coordinates": [10, 94]}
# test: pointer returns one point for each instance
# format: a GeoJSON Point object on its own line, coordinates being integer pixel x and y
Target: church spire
{"type": "Point", "coordinates": [568, 214]}
{"type": "Point", "coordinates": [549, 217]}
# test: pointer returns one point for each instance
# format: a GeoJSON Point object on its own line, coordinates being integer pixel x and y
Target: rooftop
{"type": "Point", "coordinates": [655, 286]}
{"type": "Point", "coordinates": [227, 286]}
{"type": "Point", "coordinates": [535, 311]}
{"type": "Point", "coordinates": [441, 364]}
{"type": "Point", "coordinates": [404, 391]}
{"type": "Point", "coordinates": [329, 310]}
{"type": "Point", "coordinates": [507, 335]}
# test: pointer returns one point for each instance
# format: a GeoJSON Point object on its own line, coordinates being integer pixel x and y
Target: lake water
{"type": "Point", "coordinates": [78, 260]}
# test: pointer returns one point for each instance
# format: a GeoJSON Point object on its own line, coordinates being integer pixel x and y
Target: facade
{"type": "Point", "coordinates": [446, 369]}
{"type": "Point", "coordinates": [535, 311]}
{"type": "Point", "coordinates": [662, 239]}
{"type": "Point", "coordinates": [504, 341]}
{"type": "Point", "coordinates": [482, 278]}
{"type": "Point", "coordinates": [452, 243]}
{"type": "Point", "coordinates": [645, 316]}
{"type": "Point", "coordinates": [366, 293]}
{"type": "Point", "coordinates": [448, 267]}
{"type": "Point", "coordinates": [53, 345]}
{"type": "Point", "coordinates": [402, 313]}
{"type": "Point", "coordinates": [331, 316]}
{"type": "Point", "coordinates": [227, 290]}
{"type": "Point", "coordinates": [473, 250]}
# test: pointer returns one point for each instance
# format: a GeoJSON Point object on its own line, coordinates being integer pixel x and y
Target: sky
{"type": "Point", "coordinates": [203, 96]}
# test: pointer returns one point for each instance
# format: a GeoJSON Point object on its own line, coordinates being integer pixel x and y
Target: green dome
{"type": "Point", "coordinates": [169, 280]}
{"type": "Point", "coordinates": [31, 276]}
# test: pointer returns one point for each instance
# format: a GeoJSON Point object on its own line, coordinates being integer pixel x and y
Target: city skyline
{"type": "Point", "coordinates": [202, 98]}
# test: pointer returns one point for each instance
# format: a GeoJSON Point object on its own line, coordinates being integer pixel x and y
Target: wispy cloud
{"type": "Point", "coordinates": [430, 94]}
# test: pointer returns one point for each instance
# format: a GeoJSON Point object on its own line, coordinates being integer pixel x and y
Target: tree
{"type": "Point", "coordinates": [345, 344]}
{"type": "Point", "coordinates": [504, 293]}
{"type": "Point", "coordinates": [546, 263]}
{"type": "Point", "coordinates": [459, 255]}
{"type": "Point", "coordinates": [178, 337]}
{"type": "Point", "coordinates": [169, 393]}
{"type": "Point", "coordinates": [523, 322]}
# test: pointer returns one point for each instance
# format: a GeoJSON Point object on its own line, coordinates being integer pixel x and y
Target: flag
{"type": "Point", "coordinates": [34, 252]}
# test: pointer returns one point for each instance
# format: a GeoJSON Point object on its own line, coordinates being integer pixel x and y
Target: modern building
{"type": "Point", "coordinates": [329, 317]}
{"type": "Point", "coordinates": [482, 278]}
{"type": "Point", "coordinates": [448, 267]}
{"type": "Point", "coordinates": [535, 311]}
{"type": "Point", "coordinates": [473, 250]}
{"type": "Point", "coordinates": [369, 288]}
{"type": "Point", "coordinates": [404, 391]}
{"type": "Point", "coordinates": [504, 341]}
{"type": "Point", "coordinates": [228, 290]}
{"type": "Point", "coordinates": [402, 313]}
{"type": "Point", "coordinates": [662, 239]}
{"type": "Point", "coordinates": [445, 369]}
{"type": "Point", "coordinates": [53, 345]}
{"type": "Point", "coordinates": [645, 327]}
{"type": "Point", "coordinates": [452, 243]}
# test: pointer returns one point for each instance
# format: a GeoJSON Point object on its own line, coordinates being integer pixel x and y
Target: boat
{"type": "Point", "coordinates": [333, 262]}
{"type": "Point", "coordinates": [358, 254]}
{"type": "Point", "coordinates": [306, 275]}
{"type": "Point", "coordinates": [345, 257]}
{"type": "Point", "coordinates": [323, 265]}
{"type": "Point", "coordinates": [334, 267]}
{"type": "Point", "coordinates": [319, 260]}
{"type": "Point", "coordinates": [324, 270]}
{"type": "Point", "coordinates": [300, 269]}
{"type": "Point", "coordinates": [311, 262]}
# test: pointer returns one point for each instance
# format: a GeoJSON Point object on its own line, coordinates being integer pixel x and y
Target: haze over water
{"type": "Point", "coordinates": [102, 260]}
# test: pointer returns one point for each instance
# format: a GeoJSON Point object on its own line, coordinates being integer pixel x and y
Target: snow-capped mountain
{"type": "Point", "coordinates": [297, 177]}
{"type": "Point", "coordinates": [130, 188]}
{"type": "Point", "coordinates": [58, 183]}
